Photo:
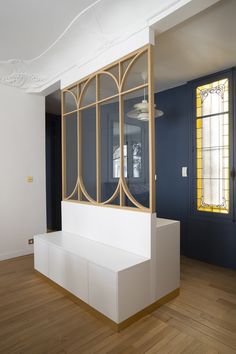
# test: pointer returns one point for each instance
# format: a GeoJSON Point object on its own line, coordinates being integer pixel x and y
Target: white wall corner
{"type": "Point", "coordinates": [22, 154]}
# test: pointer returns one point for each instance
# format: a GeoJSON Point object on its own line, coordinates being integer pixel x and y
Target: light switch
{"type": "Point", "coordinates": [30, 179]}
{"type": "Point", "coordinates": [184, 171]}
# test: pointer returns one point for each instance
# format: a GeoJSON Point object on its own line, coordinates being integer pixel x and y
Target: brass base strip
{"type": "Point", "coordinates": [149, 309]}
{"type": "Point", "coordinates": [115, 326]}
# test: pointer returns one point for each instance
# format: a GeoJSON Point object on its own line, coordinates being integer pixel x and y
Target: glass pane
{"type": "Point", "coordinates": [71, 154]}
{"type": "Point", "coordinates": [125, 64]}
{"type": "Point", "coordinates": [81, 85]}
{"type": "Point", "coordinates": [89, 93]}
{"type": "Point", "coordinates": [137, 157]}
{"type": "Point", "coordinates": [83, 198]}
{"type": "Point", "coordinates": [116, 156]}
{"type": "Point", "coordinates": [116, 201]}
{"type": "Point", "coordinates": [107, 86]}
{"type": "Point", "coordinates": [136, 142]}
{"type": "Point", "coordinates": [213, 163]}
{"type": "Point", "coordinates": [110, 142]}
{"type": "Point", "coordinates": [88, 150]}
{"type": "Point", "coordinates": [137, 73]}
{"type": "Point", "coordinates": [75, 91]}
{"type": "Point", "coordinates": [114, 71]}
{"type": "Point", "coordinates": [128, 203]}
{"type": "Point", "coordinates": [213, 98]}
{"type": "Point", "coordinates": [69, 101]}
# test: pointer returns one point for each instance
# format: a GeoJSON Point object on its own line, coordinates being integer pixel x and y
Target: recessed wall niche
{"type": "Point", "coordinates": [108, 135]}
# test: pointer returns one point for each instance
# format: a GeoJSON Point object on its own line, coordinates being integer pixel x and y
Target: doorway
{"type": "Point", "coordinates": [53, 161]}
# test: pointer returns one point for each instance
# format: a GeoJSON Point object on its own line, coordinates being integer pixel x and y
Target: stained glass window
{"type": "Point", "coordinates": [212, 141]}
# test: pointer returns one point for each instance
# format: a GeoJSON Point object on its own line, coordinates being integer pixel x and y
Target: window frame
{"type": "Point", "coordinates": [227, 74]}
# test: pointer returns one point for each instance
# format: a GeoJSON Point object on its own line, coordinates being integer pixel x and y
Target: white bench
{"type": "Point", "coordinates": [105, 274]}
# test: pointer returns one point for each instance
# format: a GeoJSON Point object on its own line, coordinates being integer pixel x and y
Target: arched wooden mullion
{"type": "Point", "coordinates": [64, 145]}
{"type": "Point", "coordinates": [129, 66]}
{"type": "Point", "coordinates": [130, 196]}
{"type": "Point", "coordinates": [98, 100]}
{"type": "Point", "coordinates": [114, 195]}
{"type": "Point", "coordinates": [74, 190]}
{"type": "Point", "coordinates": [75, 98]}
{"type": "Point", "coordinates": [94, 202]}
{"type": "Point", "coordinates": [99, 74]}
{"type": "Point", "coordinates": [83, 90]}
{"type": "Point", "coordinates": [113, 77]}
{"type": "Point", "coordinates": [95, 103]}
{"type": "Point", "coordinates": [83, 190]}
{"type": "Point", "coordinates": [80, 178]}
{"type": "Point", "coordinates": [81, 187]}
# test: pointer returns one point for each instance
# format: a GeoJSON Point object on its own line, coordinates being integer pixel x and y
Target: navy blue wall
{"type": "Point", "coordinates": [172, 152]}
{"type": "Point", "coordinates": [209, 239]}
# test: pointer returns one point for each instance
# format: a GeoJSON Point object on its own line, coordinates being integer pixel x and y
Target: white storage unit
{"type": "Point", "coordinates": [94, 272]}
{"type": "Point", "coordinates": [99, 268]}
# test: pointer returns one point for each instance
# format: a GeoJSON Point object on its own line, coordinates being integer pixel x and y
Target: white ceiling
{"type": "Point", "coordinates": [29, 27]}
{"type": "Point", "coordinates": [199, 46]}
{"type": "Point", "coordinates": [40, 40]}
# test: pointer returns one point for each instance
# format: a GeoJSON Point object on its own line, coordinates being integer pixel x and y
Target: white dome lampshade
{"type": "Point", "coordinates": [140, 111]}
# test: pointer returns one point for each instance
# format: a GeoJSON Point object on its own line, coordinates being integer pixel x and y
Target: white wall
{"type": "Point", "coordinates": [22, 154]}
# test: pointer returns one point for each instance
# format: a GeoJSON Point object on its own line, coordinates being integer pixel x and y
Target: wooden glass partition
{"type": "Point", "coordinates": [108, 155]}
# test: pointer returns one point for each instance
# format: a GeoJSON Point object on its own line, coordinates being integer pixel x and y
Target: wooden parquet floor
{"type": "Point", "coordinates": [36, 318]}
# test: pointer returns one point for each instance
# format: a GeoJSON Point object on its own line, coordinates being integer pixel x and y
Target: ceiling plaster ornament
{"type": "Point", "coordinates": [17, 74]}
{"type": "Point", "coordinates": [22, 80]}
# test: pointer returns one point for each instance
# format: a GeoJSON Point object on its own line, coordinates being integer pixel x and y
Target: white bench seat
{"type": "Point", "coordinates": [109, 279]}
{"type": "Point", "coordinates": [106, 256]}
{"type": "Point", "coordinates": [119, 262]}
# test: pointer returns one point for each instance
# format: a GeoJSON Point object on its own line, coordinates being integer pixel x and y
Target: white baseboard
{"type": "Point", "coordinates": [14, 254]}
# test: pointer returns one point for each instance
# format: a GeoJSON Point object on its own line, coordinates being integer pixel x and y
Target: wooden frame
{"type": "Point", "coordinates": [76, 92]}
